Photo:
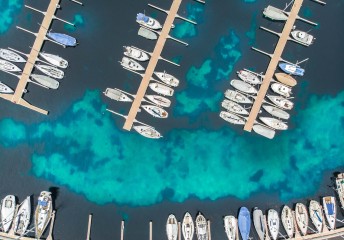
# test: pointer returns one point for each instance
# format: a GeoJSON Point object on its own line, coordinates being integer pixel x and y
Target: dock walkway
{"type": "Point", "coordinates": [273, 65]}
{"type": "Point", "coordinates": [152, 64]}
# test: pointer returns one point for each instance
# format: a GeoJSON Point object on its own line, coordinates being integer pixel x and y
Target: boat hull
{"type": "Point", "coordinates": [231, 227]}
{"type": "Point", "coordinates": [136, 54]}
{"type": "Point", "coordinates": [23, 217]}
{"type": "Point", "coordinates": [147, 21]}
{"type": "Point", "coordinates": [277, 112]}
{"type": "Point", "coordinates": [159, 100]}
{"type": "Point", "coordinates": [63, 39]}
{"type": "Point", "coordinates": [148, 132]}
{"type": "Point", "coordinates": [329, 204]}
{"type": "Point", "coordinates": [288, 221]}
{"type": "Point", "coordinates": [131, 64]}
{"type": "Point", "coordinates": [201, 227]}
{"type": "Point", "coordinates": [286, 79]}
{"type": "Point", "coordinates": [274, 14]}
{"type": "Point", "coordinates": [11, 56]}
{"type": "Point", "coordinates": [234, 107]}
{"type": "Point", "coordinates": [231, 118]}
{"type": "Point", "coordinates": [5, 89]}
{"type": "Point", "coordinates": [50, 71]}
{"type": "Point", "coordinates": [46, 81]}
{"type": "Point", "coordinates": [259, 224]}
{"type": "Point", "coordinates": [291, 69]}
{"type": "Point", "coordinates": [8, 207]}
{"type": "Point", "coordinates": [316, 215]}
{"type": "Point", "coordinates": [340, 188]}
{"type": "Point", "coordinates": [243, 87]}
{"type": "Point", "coordinates": [281, 102]}
{"type": "Point", "coordinates": [188, 227]}
{"type": "Point", "coordinates": [273, 223]}
{"type": "Point", "coordinates": [43, 213]}
{"type": "Point", "coordinates": [264, 131]}
{"type": "Point", "coordinates": [167, 78]}
{"type": "Point", "coordinates": [302, 37]}
{"type": "Point", "coordinates": [244, 222]}
{"type": "Point", "coordinates": [274, 123]}
{"type": "Point", "coordinates": [281, 89]}
{"type": "Point", "coordinates": [155, 111]}
{"type": "Point", "coordinates": [161, 89]}
{"type": "Point", "coordinates": [237, 97]}
{"type": "Point", "coordinates": [116, 95]}
{"type": "Point", "coordinates": [172, 227]}
{"type": "Point", "coordinates": [249, 77]}
{"type": "Point", "coordinates": [301, 217]}
{"type": "Point", "coordinates": [8, 66]}
{"type": "Point", "coordinates": [54, 60]}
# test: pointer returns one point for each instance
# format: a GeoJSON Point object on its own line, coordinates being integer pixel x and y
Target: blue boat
{"type": "Point", "coordinates": [63, 39]}
{"type": "Point", "coordinates": [292, 69]}
{"type": "Point", "coordinates": [244, 220]}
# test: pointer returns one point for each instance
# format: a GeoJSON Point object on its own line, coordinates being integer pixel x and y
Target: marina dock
{"type": "Point", "coordinates": [275, 58]}
{"type": "Point", "coordinates": [152, 64]}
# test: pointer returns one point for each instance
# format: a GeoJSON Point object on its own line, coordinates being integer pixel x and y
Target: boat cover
{"type": "Point", "coordinates": [244, 220]}
{"type": "Point", "coordinates": [142, 17]}
{"type": "Point", "coordinates": [329, 208]}
{"type": "Point", "coordinates": [42, 203]}
{"type": "Point", "coordinates": [63, 39]}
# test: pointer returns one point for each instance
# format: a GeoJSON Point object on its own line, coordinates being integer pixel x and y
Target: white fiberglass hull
{"type": "Point", "coordinates": [201, 227]}
{"type": "Point", "coordinates": [155, 111]}
{"type": "Point", "coordinates": [340, 188]}
{"type": "Point", "coordinates": [188, 227]}
{"type": "Point", "coordinates": [172, 227]}
{"type": "Point", "coordinates": [148, 132]}
{"type": "Point", "coordinates": [54, 60]}
{"type": "Point", "coordinates": [159, 100]}
{"type": "Point", "coordinates": [237, 97]}
{"type": "Point", "coordinates": [281, 102]}
{"type": "Point", "coordinates": [259, 224]}
{"type": "Point", "coordinates": [131, 64]}
{"type": "Point", "coordinates": [136, 54]}
{"type": "Point", "coordinates": [50, 71]}
{"type": "Point", "coordinates": [329, 204]}
{"type": "Point", "coordinates": [301, 217]}
{"type": "Point", "coordinates": [274, 123]}
{"type": "Point", "coordinates": [167, 78]}
{"type": "Point", "coordinates": [316, 215]}
{"type": "Point", "coordinates": [277, 112]}
{"type": "Point", "coordinates": [249, 77]}
{"type": "Point", "coordinates": [5, 89]}
{"type": "Point", "coordinates": [231, 118]}
{"type": "Point", "coordinates": [116, 95]}
{"type": "Point", "coordinates": [161, 89]}
{"type": "Point", "coordinates": [43, 213]}
{"type": "Point", "coordinates": [8, 66]}
{"type": "Point", "coordinates": [281, 89]}
{"type": "Point", "coordinates": [264, 131]}
{"type": "Point", "coordinates": [8, 207]}
{"type": "Point", "coordinates": [288, 221]}
{"type": "Point", "coordinates": [23, 217]}
{"type": "Point", "coordinates": [234, 107]}
{"type": "Point", "coordinates": [243, 87]}
{"type": "Point", "coordinates": [273, 223]}
{"type": "Point", "coordinates": [46, 81]}
{"type": "Point", "coordinates": [11, 56]}
{"type": "Point", "coordinates": [231, 227]}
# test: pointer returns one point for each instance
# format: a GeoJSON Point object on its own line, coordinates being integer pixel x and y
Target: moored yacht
{"type": "Point", "coordinates": [244, 222]}
{"type": "Point", "coordinates": [275, 14]}
{"type": "Point", "coordinates": [340, 188]}
{"type": "Point", "coordinates": [274, 123]}
{"type": "Point", "coordinates": [50, 71]}
{"type": "Point", "coordinates": [243, 86]}
{"type": "Point", "coordinates": [288, 221]}
{"type": "Point", "coordinates": [11, 56]}
{"type": "Point", "coordinates": [5, 89]}
{"type": "Point", "coordinates": [234, 107]}
{"type": "Point", "coordinates": [45, 81]}
{"type": "Point", "coordinates": [201, 227]}
{"type": "Point", "coordinates": [188, 227]}
{"type": "Point", "coordinates": [231, 227]}
{"type": "Point", "coordinates": [237, 97]}
{"type": "Point", "coordinates": [277, 112]}
{"type": "Point", "coordinates": [249, 77]}
{"type": "Point", "coordinates": [116, 95]}
{"type": "Point", "coordinates": [131, 64]}
{"type": "Point", "coordinates": [135, 53]}
{"type": "Point", "coordinates": [286, 79]}
{"type": "Point", "coordinates": [281, 89]}
{"type": "Point", "coordinates": [161, 89]}
{"type": "Point", "coordinates": [264, 131]}
{"type": "Point", "coordinates": [329, 204]}
{"type": "Point", "coordinates": [302, 37]}
{"type": "Point", "coordinates": [172, 227]}
{"type": "Point", "coordinates": [159, 100]}
{"type": "Point", "coordinates": [8, 66]}
{"type": "Point", "coordinates": [54, 60]}
{"type": "Point", "coordinates": [273, 223]}
{"type": "Point", "coordinates": [148, 132]}
{"type": "Point", "coordinates": [22, 219]}
{"type": "Point", "coordinates": [63, 39]}
{"type": "Point", "coordinates": [155, 111]}
{"type": "Point", "coordinates": [292, 69]}
{"type": "Point", "coordinates": [259, 223]}
{"type": "Point", "coordinates": [8, 207]}
{"type": "Point", "coordinates": [43, 213]}
{"type": "Point", "coordinates": [232, 118]}
{"type": "Point", "coordinates": [301, 217]}
{"type": "Point", "coordinates": [167, 78]}
{"type": "Point", "coordinates": [147, 21]}
{"type": "Point", "coordinates": [316, 215]}
{"type": "Point", "coordinates": [281, 102]}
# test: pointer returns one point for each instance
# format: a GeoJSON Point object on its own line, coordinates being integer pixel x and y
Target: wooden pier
{"type": "Point", "coordinates": [152, 64]}
{"type": "Point", "coordinates": [276, 57]}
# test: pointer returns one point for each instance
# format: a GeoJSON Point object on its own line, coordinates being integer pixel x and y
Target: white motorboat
{"type": "Point", "coordinates": [249, 77]}
{"type": "Point", "coordinates": [46, 81]}
{"type": "Point", "coordinates": [273, 223]}
{"type": "Point", "coordinates": [54, 60]}
{"type": "Point", "coordinates": [234, 107]}
{"type": "Point", "coordinates": [131, 64]}
{"type": "Point", "coordinates": [155, 111]}
{"type": "Point", "coordinates": [288, 221]}
{"type": "Point", "coordinates": [277, 112]}
{"type": "Point", "coordinates": [172, 227]}
{"type": "Point", "coordinates": [188, 227]}
{"type": "Point", "coordinates": [330, 210]}
{"type": "Point", "coordinates": [5, 89]}
{"type": "Point", "coordinates": [116, 95]}
{"type": "Point", "coordinates": [136, 54]}
{"type": "Point", "coordinates": [8, 207]}
{"type": "Point", "coordinates": [201, 227]}
{"type": "Point", "coordinates": [274, 123]}
{"type": "Point", "coordinates": [167, 78]}
{"type": "Point", "coordinates": [231, 227]}
{"type": "Point", "coordinates": [340, 188]}
{"type": "Point", "coordinates": [232, 118]}
{"type": "Point", "coordinates": [316, 215]}
{"type": "Point", "coordinates": [159, 100]}
{"type": "Point", "coordinates": [43, 213]}
{"type": "Point", "coordinates": [8, 66]}
{"type": "Point", "coordinates": [22, 219]}
{"type": "Point", "coordinates": [11, 56]}
{"type": "Point", "coordinates": [148, 132]}
{"type": "Point", "coordinates": [281, 89]}
{"type": "Point", "coordinates": [243, 87]}
{"type": "Point", "coordinates": [237, 97]}
{"type": "Point", "coordinates": [147, 21]}
{"type": "Point", "coordinates": [161, 89]}
{"type": "Point", "coordinates": [264, 131]}
{"type": "Point", "coordinates": [302, 37]}
{"type": "Point", "coordinates": [50, 71]}
{"type": "Point", "coordinates": [286, 79]}
{"type": "Point", "coordinates": [281, 102]}
{"type": "Point", "coordinates": [301, 217]}
{"type": "Point", "coordinates": [259, 223]}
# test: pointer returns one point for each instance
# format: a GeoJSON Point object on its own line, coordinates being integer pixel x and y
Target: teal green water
{"type": "Point", "coordinates": [251, 34]}
{"type": "Point", "coordinates": [78, 21]}
{"type": "Point", "coordinates": [8, 11]}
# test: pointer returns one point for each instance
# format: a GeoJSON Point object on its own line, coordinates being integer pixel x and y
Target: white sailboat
{"type": "Point", "coordinates": [131, 64]}
{"type": "Point", "coordinates": [234, 107]}
{"type": "Point", "coordinates": [288, 221]}
{"type": "Point", "coordinates": [54, 60]}
{"type": "Point", "coordinates": [277, 112]}
{"type": "Point", "coordinates": [264, 131]}
{"type": "Point", "coordinates": [281, 102]}
{"type": "Point", "coordinates": [249, 77]}
{"type": "Point", "coordinates": [11, 56]}
{"type": "Point", "coordinates": [22, 219]}
{"type": "Point", "coordinates": [281, 89]}
{"type": "Point", "coordinates": [147, 131]}
{"type": "Point", "coordinates": [155, 111]}
{"type": "Point", "coordinates": [330, 210]}
{"type": "Point", "coordinates": [243, 86]}
{"type": "Point", "coordinates": [5, 89]}
{"type": "Point", "coordinates": [201, 227]}
{"type": "Point", "coordinates": [161, 89]}
{"type": "Point", "coordinates": [135, 53]}
{"type": "Point", "coordinates": [188, 227]}
{"type": "Point", "coordinates": [43, 213]}
{"type": "Point", "coordinates": [167, 78]}
{"type": "Point", "coordinates": [8, 66]}
{"type": "Point", "coordinates": [8, 207]}
{"type": "Point", "coordinates": [274, 123]}
{"type": "Point", "coordinates": [232, 118]}
{"type": "Point", "coordinates": [259, 223]}
{"type": "Point", "coordinates": [273, 223]}
{"type": "Point", "coordinates": [316, 215]}
{"type": "Point", "coordinates": [340, 188]}
{"type": "Point", "coordinates": [231, 227]}
{"type": "Point", "coordinates": [117, 95]}
{"type": "Point", "coordinates": [46, 81]}
{"type": "Point", "coordinates": [50, 71]}
{"type": "Point", "coordinates": [237, 97]}
{"type": "Point", "coordinates": [172, 227]}
{"type": "Point", "coordinates": [159, 100]}
{"type": "Point", "coordinates": [301, 217]}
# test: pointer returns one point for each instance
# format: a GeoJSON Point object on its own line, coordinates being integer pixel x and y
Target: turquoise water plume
{"type": "Point", "coordinates": [78, 21]}
{"type": "Point", "coordinates": [9, 9]}
{"type": "Point", "coordinates": [251, 34]}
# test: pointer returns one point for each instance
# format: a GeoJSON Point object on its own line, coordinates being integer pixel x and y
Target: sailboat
{"type": "Point", "coordinates": [244, 220]}
{"type": "Point", "coordinates": [237, 97]}
{"type": "Point", "coordinates": [234, 107]}
{"type": "Point", "coordinates": [340, 188]}
{"type": "Point", "coordinates": [50, 71]}
{"type": "Point", "coordinates": [8, 207]}
{"type": "Point", "coordinates": [274, 123]}
{"type": "Point", "coordinates": [116, 95]}
{"type": "Point", "coordinates": [136, 54]}
{"type": "Point", "coordinates": [259, 223]}
{"type": "Point", "coordinates": [231, 227]}
{"type": "Point", "coordinates": [43, 213]}
{"type": "Point", "coordinates": [147, 131]}
{"type": "Point", "coordinates": [172, 227]}
{"type": "Point", "coordinates": [159, 100]}
{"type": "Point", "coordinates": [316, 215]}
{"type": "Point", "coordinates": [5, 89]}
{"type": "Point", "coordinates": [231, 118]}
{"type": "Point", "coordinates": [201, 227]}
{"type": "Point", "coordinates": [161, 89]}
{"type": "Point", "coordinates": [281, 102]}
{"type": "Point", "coordinates": [288, 221]}
{"type": "Point", "coordinates": [301, 217]}
{"type": "Point", "coordinates": [273, 223]}
{"type": "Point", "coordinates": [155, 111]}
{"type": "Point", "coordinates": [167, 78]}
{"type": "Point", "coordinates": [329, 204]}
{"type": "Point", "coordinates": [46, 81]}
{"type": "Point", "coordinates": [54, 60]}
{"type": "Point", "coordinates": [8, 66]}
{"type": "Point", "coordinates": [22, 219]}
{"type": "Point", "coordinates": [243, 86]}
{"type": "Point", "coordinates": [11, 56]}
{"type": "Point", "coordinates": [276, 112]}
{"type": "Point", "coordinates": [188, 227]}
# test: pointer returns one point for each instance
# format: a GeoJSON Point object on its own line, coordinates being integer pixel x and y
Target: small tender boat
{"type": "Point", "coordinates": [159, 100]}
{"type": "Point", "coordinates": [8, 207]}
{"type": "Point", "coordinates": [274, 123]}
{"type": "Point", "coordinates": [277, 112]}
{"type": "Point", "coordinates": [292, 69]}
{"type": "Point", "coordinates": [155, 111]}
{"type": "Point", "coordinates": [233, 107]}
{"type": "Point", "coordinates": [232, 118]}
{"type": "Point", "coordinates": [281, 89]}
{"type": "Point", "coordinates": [5, 89]}
{"type": "Point", "coordinates": [302, 37]}
{"type": "Point", "coordinates": [8, 66]}
{"type": "Point", "coordinates": [244, 221]}
{"type": "Point", "coordinates": [273, 223]}
{"type": "Point", "coordinates": [131, 64]}
{"type": "Point", "coordinates": [11, 56]}
{"type": "Point", "coordinates": [188, 227]}
{"type": "Point", "coordinates": [116, 95]}
{"type": "Point", "coordinates": [45, 81]}
{"type": "Point", "coordinates": [237, 97]}
{"type": "Point", "coordinates": [275, 14]}
{"type": "Point", "coordinates": [301, 217]}
{"type": "Point", "coordinates": [231, 227]}
{"type": "Point", "coordinates": [50, 71]}
{"type": "Point", "coordinates": [136, 54]}
{"type": "Point", "coordinates": [43, 213]}
{"type": "Point", "coordinates": [249, 77]}
{"type": "Point", "coordinates": [259, 223]}
{"type": "Point", "coordinates": [281, 102]}
{"type": "Point", "coordinates": [22, 219]}
{"type": "Point", "coordinates": [146, 21]}
{"type": "Point", "coordinates": [243, 87]}
{"type": "Point", "coordinates": [146, 33]}
{"type": "Point", "coordinates": [286, 79]}
{"type": "Point", "coordinates": [340, 188]}
{"type": "Point", "coordinates": [329, 204]}
{"type": "Point", "coordinates": [161, 89]}
{"type": "Point", "coordinates": [316, 215]}
{"type": "Point", "coordinates": [172, 227]}
{"type": "Point", "coordinates": [148, 132]}
{"type": "Point", "coordinates": [63, 39]}
{"type": "Point", "coordinates": [167, 78]}
{"type": "Point", "coordinates": [288, 221]}
{"type": "Point", "coordinates": [201, 227]}
{"type": "Point", "coordinates": [54, 60]}
{"type": "Point", "coordinates": [264, 131]}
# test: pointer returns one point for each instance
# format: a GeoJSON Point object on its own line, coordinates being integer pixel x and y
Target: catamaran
{"type": "Point", "coordinates": [131, 64]}
{"type": "Point", "coordinates": [249, 77]}
{"type": "Point", "coordinates": [159, 100]}
{"type": "Point", "coordinates": [161, 89]}
{"type": "Point", "coordinates": [302, 37]}
{"type": "Point", "coordinates": [244, 220]}
{"type": "Point", "coordinates": [329, 204]}
{"type": "Point", "coordinates": [273, 223]}
{"type": "Point", "coordinates": [274, 123]}
{"type": "Point", "coordinates": [167, 78]}
{"type": "Point", "coordinates": [63, 39]}
{"type": "Point", "coordinates": [50, 71]}
{"type": "Point", "coordinates": [281, 89]}
{"type": "Point", "coordinates": [232, 118]}
{"type": "Point", "coordinates": [135, 53]}
{"type": "Point", "coordinates": [237, 97]}
{"type": "Point", "coordinates": [277, 112]}
{"type": "Point", "coordinates": [116, 95]}
{"type": "Point", "coordinates": [340, 188]}
{"type": "Point", "coordinates": [5, 89]}
{"type": "Point", "coordinates": [292, 69]}
{"type": "Point", "coordinates": [8, 66]}
{"type": "Point", "coordinates": [281, 102]}
{"type": "Point", "coordinates": [155, 111]}
{"type": "Point", "coordinates": [22, 219]}
{"type": "Point", "coordinates": [234, 107]}
{"type": "Point", "coordinates": [301, 217]}
{"type": "Point", "coordinates": [316, 215]}
{"type": "Point", "coordinates": [8, 207]}
{"type": "Point", "coordinates": [288, 221]}
{"type": "Point", "coordinates": [11, 56]}
{"type": "Point", "coordinates": [46, 81]}
{"type": "Point", "coordinates": [43, 213]}
{"type": "Point", "coordinates": [54, 60]}
{"type": "Point", "coordinates": [231, 227]}
{"type": "Point", "coordinates": [201, 227]}
{"type": "Point", "coordinates": [188, 227]}
{"type": "Point", "coordinates": [147, 21]}
{"type": "Point", "coordinates": [286, 79]}
{"type": "Point", "coordinates": [243, 87]}
{"type": "Point", "coordinates": [147, 131]}
{"type": "Point", "coordinates": [172, 227]}
{"type": "Point", "coordinates": [259, 223]}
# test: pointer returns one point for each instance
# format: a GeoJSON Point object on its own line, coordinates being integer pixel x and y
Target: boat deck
{"type": "Point", "coordinates": [273, 64]}
{"type": "Point", "coordinates": [152, 64]}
